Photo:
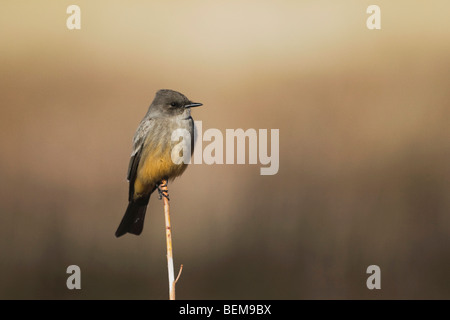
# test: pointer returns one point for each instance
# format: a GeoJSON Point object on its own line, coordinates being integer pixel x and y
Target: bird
{"type": "Point", "coordinates": [151, 161]}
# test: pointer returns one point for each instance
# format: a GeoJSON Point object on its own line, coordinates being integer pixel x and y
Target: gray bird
{"type": "Point", "coordinates": [151, 160]}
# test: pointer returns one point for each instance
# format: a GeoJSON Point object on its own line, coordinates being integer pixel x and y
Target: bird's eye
{"type": "Point", "coordinates": [173, 104]}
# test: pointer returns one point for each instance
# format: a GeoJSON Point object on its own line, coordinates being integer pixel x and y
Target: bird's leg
{"type": "Point", "coordinates": [162, 190]}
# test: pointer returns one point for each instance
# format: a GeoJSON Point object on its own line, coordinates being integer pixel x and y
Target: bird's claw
{"type": "Point", "coordinates": [163, 193]}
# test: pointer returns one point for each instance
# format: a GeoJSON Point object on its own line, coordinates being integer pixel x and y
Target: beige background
{"type": "Point", "coordinates": [364, 148]}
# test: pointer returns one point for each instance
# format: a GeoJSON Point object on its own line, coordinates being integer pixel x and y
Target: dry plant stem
{"type": "Point", "coordinates": [164, 189]}
{"type": "Point", "coordinates": [179, 274]}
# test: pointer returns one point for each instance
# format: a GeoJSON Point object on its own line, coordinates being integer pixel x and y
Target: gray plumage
{"type": "Point", "coordinates": [150, 160]}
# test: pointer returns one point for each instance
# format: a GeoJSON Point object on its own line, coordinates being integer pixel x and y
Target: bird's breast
{"type": "Point", "coordinates": [156, 162]}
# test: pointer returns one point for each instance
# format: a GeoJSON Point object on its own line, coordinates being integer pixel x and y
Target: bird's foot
{"type": "Point", "coordinates": [163, 193]}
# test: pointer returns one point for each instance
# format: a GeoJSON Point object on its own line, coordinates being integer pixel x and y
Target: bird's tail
{"type": "Point", "coordinates": [133, 220]}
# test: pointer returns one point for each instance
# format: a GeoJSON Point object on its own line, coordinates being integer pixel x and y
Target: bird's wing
{"type": "Point", "coordinates": [138, 145]}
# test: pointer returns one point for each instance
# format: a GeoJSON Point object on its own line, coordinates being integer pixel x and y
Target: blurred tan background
{"type": "Point", "coordinates": [364, 172]}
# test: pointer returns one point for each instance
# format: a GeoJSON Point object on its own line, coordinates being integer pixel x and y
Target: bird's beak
{"type": "Point", "coordinates": [193, 104]}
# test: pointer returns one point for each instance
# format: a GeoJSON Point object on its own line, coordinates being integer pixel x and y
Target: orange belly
{"type": "Point", "coordinates": [156, 166]}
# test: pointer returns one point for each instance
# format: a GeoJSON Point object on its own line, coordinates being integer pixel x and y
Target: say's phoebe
{"type": "Point", "coordinates": [151, 160]}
